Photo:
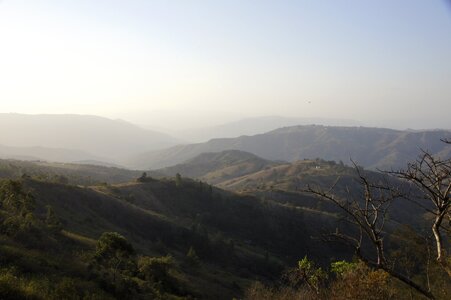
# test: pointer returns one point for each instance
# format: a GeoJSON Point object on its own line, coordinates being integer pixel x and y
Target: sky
{"type": "Point", "coordinates": [195, 63]}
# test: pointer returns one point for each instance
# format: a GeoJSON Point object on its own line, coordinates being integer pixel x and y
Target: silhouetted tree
{"type": "Point", "coordinates": [143, 177]}
{"type": "Point", "coordinates": [432, 176]}
{"type": "Point", "coordinates": [178, 180]}
{"type": "Point", "coordinates": [368, 214]}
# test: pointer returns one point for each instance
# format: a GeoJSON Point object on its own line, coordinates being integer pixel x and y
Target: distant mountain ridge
{"type": "Point", "coordinates": [95, 138]}
{"type": "Point", "coordinates": [256, 125]}
{"type": "Point", "coordinates": [370, 147]}
{"type": "Point", "coordinates": [45, 153]}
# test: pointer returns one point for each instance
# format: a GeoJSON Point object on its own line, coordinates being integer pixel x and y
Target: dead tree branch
{"type": "Point", "coordinates": [368, 214]}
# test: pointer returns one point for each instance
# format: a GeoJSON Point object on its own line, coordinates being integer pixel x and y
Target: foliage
{"type": "Point", "coordinates": [17, 206]}
{"type": "Point", "coordinates": [14, 199]}
{"type": "Point", "coordinates": [342, 267]}
{"type": "Point", "coordinates": [155, 268]}
{"type": "Point", "coordinates": [357, 281]}
{"type": "Point", "coordinates": [312, 275]}
{"type": "Point", "coordinates": [114, 252]}
{"type": "Point", "coordinates": [258, 291]}
{"type": "Point", "coordinates": [346, 280]}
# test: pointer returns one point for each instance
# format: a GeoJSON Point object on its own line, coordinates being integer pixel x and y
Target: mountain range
{"type": "Point", "coordinates": [370, 147]}
{"type": "Point", "coordinates": [69, 138]}
{"type": "Point", "coordinates": [253, 126]}
{"type": "Point", "coordinates": [102, 141]}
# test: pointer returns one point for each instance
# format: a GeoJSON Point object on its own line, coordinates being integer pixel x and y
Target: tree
{"type": "Point", "coordinates": [155, 268]}
{"type": "Point", "coordinates": [114, 252]}
{"type": "Point", "coordinates": [313, 276]}
{"type": "Point", "coordinates": [143, 177]}
{"type": "Point", "coordinates": [178, 180]}
{"type": "Point", "coordinates": [368, 215]}
{"type": "Point", "coordinates": [432, 177]}
{"type": "Point", "coordinates": [18, 206]}
{"type": "Point", "coordinates": [14, 199]}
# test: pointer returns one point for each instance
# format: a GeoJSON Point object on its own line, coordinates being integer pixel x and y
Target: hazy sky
{"type": "Point", "coordinates": [373, 61]}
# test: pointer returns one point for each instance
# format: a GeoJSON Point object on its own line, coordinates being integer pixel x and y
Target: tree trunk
{"type": "Point", "coordinates": [438, 238]}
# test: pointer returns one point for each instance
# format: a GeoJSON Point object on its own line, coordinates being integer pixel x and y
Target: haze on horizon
{"type": "Point", "coordinates": [178, 64]}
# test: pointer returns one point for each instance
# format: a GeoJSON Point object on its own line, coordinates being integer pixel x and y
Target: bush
{"type": "Point", "coordinates": [357, 281]}
{"type": "Point", "coordinates": [155, 268]}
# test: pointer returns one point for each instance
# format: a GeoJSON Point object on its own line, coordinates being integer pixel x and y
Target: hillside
{"type": "Point", "coordinates": [215, 168]}
{"type": "Point", "coordinates": [84, 138]}
{"type": "Point", "coordinates": [237, 239]}
{"type": "Point", "coordinates": [76, 174]}
{"type": "Point", "coordinates": [281, 182]}
{"type": "Point", "coordinates": [218, 241]}
{"type": "Point", "coordinates": [370, 147]}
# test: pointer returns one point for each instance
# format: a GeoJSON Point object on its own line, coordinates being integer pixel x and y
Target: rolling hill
{"type": "Point", "coordinates": [283, 182]}
{"type": "Point", "coordinates": [218, 241]}
{"type": "Point", "coordinates": [217, 167]}
{"type": "Point", "coordinates": [370, 147]}
{"type": "Point", "coordinates": [237, 239]}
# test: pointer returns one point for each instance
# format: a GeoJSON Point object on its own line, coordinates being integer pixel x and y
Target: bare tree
{"type": "Point", "coordinates": [368, 214]}
{"type": "Point", "coordinates": [432, 176]}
